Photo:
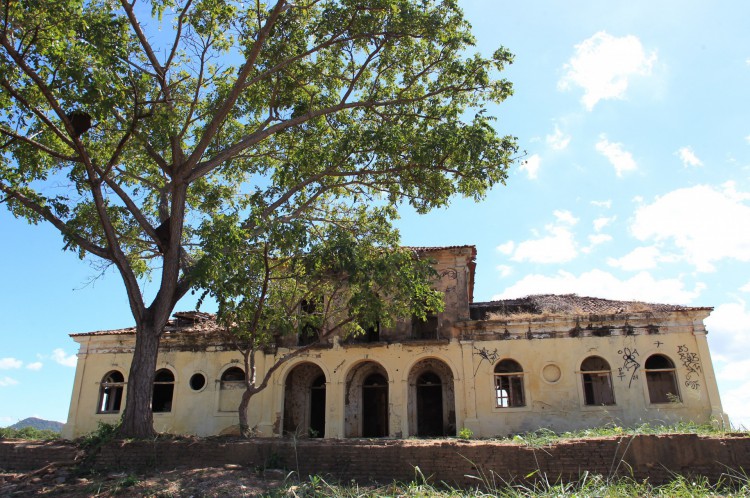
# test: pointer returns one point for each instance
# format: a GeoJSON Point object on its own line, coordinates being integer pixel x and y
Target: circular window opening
{"type": "Point", "coordinates": [197, 381]}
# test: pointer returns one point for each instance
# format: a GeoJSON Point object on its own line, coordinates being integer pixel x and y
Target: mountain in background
{"type": "Point", "coordinates": [38, 423]}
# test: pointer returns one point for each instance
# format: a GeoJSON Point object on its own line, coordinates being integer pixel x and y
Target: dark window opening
{"type": "Point", "coordinates": [425, 329]}
{"type": "Point", "coordinates": [509, 385]}
{"type": "Point", "coordinates": [661, 380]}
{"type": "Point", "coordinates": [597, 382]}
{"type": "Point", "coordinates": [309, 331]}
{"type": "Point", "coordinates": [371, 334]}
{"type": "Point", "coordinates": [110, 392]}
{"type": "Point", "coordinates": [231, 377]}
{"type": "Point", "coordinates": [375, 406]}
{"type": "Point", "coordinates": [318, 407]}
{"type": "Point", "coordinates": [197, 381]}
{"type": "Point", "coordinates": [161, 400]}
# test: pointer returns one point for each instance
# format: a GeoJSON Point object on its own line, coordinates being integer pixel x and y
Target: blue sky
{"type": "Point", "coordinates": [636, 185]}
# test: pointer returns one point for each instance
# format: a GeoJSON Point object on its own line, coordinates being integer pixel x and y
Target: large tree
{"type": "Point", "coordinates": [131, 126]}
{"type": "Point", "coordinates": [309, 280]}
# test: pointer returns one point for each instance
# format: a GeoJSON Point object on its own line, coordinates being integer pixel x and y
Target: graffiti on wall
{"type": "Point", "coordinates": [692, 364]}
{"type": "Point", "coordinates": [485, 355]}
{"type": "Point", "coordinates": [629, 365]}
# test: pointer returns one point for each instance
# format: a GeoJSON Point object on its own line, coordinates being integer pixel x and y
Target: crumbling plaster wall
{"type": "Point", "coordinates": [549, 355]}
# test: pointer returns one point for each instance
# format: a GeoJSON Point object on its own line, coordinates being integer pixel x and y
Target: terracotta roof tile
{"type": "Point", "coordinates": [568, 304]}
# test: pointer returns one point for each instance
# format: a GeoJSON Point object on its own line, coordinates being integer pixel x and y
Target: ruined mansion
{"type": "Point", "coordinates": [556, 361]}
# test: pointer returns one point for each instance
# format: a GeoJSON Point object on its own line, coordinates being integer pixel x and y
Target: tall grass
{"type": "Point", "coordinates": [543, 437]}
{"type": "Point", "coordinates": [587, 486]}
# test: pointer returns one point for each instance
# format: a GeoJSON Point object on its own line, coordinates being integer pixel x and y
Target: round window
{"type": "Point", "coordinates": [197, 381]}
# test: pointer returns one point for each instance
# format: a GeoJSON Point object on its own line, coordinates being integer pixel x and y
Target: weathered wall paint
{"type": "Point", "coordinates": [550, 349]}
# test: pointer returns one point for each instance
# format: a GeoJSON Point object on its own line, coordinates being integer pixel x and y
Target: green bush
{"type": "Point", "coordinates": [28, 433]}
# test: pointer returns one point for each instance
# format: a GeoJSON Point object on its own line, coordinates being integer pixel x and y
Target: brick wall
{"type": "Point", "coordinates": [652, 457]}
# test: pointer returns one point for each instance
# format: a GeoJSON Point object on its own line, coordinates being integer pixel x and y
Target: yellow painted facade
{"type": "Point", "coordinates": [558, 362]}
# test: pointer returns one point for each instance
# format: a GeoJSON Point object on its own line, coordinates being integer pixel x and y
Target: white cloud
{"type": "Point", "coordinates": [688, 157]}
{"type": "Point", "coordinates": [603, 66]}
{"type": "Point", "coordinates": [736, 403]}
{"type": "Point", "coordinates": [603, 204]}
{"type": "Point", "coordinates": [603, 222]}
{"type": "Point", "coordinates": [746, 287]}
{"type": "Point", "coordinates": [621, 159]}
{"type": "Point", "coordinates": [565, 216]}
{"type": "Point", "coordinates": [640, 258]}
{"type": "Point", "coordinates": [531, 166]}
{"type": "Point", "coordinates": [7, 381]}
{"type": "Point", "coordinates": [595, 240]}
{"type": "Point", "coordinates": [747, 138]}
{"type": "Point", "coordinates": [641, 287]}
{"type": "Point", "coordinates": [37, 365]}
{"type": "Point", "coordinates": [705, 224]}
{"type": "Point", "coordinates": [557, 246]}
{"type": "Point", "coordinates": [558, 140]}
{"type": "Point", "coordinates": [729, 330]}
{"type": "Point", "coordinates": [10, 363]}
{"type": "Point", "coordinates": [68, 361]}
{"type": "Point", "coordinates": [599, 238]}
{"type": "Point", "coordinates": [504, 270]}
{"type": "Point", "coordinates": [507, 248]}
{"type": "Point", "coordinates": [735, 370]}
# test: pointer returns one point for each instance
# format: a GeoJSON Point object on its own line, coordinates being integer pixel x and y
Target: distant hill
{"type": "Point", "coordinates": [38, 423]}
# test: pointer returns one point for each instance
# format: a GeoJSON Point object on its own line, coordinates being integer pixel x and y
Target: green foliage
{"type": "Point", "coordinates": [542, 437]}
{"type": "Point", "coordinates": [465, 433]}
{"type": "Point", "coordinates": [230, 130]}
{"type": "Point", "coordinates": [28, 433]}
{"type": "Point", "coordinates": [103, 434]}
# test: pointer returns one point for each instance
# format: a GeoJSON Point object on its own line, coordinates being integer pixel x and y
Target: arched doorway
{"type": "Point", "coordinates": [431, 404]}
{"type": "Point", "coordinates": [375, 406]}
{"type": "Point", "coordinates": [305, 401]}
{"type": "Point", "coordinates": [366, 411]}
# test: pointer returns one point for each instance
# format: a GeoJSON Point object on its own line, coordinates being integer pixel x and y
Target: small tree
{"type": "Point", "coordinates": [309, 280]}
{"type": "Point", "coordinates": [127, 126]}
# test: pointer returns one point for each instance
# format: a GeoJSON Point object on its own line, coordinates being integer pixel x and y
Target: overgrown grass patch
{"type": "Point", "coordinates": [543, 437]}
{"type": "Point", "coordinates": [587, 486]}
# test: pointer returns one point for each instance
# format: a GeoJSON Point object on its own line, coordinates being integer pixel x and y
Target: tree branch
{"type": "Point", "coordinates": [47, 214]}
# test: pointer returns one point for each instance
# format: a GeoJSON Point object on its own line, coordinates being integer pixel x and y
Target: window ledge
{"type": "Point", "coordinates": [669, 405]}
{"type": "Point", "coordinates": [513, 409]}
{"type": "Point", "coordinates": [601, 408]}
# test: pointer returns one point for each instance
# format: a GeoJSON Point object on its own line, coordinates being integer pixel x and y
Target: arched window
{"type": "Point", "coordinates": [661, 379]}
{"type": "Point", "coordinates": [231, 386]}
{"type": "Point", "coordinates": [509, 384]}
{"type": "Point", "coordinates": [597, 382]}
{"type": "Point", "coordinates": [231, 376]}
{"type": "Point", "coordinates": [161, 400]}
{"type": "Point", "coordinates": [110, 392]}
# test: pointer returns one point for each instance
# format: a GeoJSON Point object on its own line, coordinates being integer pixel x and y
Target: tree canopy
{"type": "Point", "coordinates": [140, 130]}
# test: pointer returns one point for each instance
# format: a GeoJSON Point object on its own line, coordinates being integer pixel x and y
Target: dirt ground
{"type": "Point", "coordinates": [231, 480]}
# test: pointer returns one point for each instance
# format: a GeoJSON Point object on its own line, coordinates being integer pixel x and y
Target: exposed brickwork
{"type": "Point", "coordinates": [29, 455]}
{"type": "Point", "coordinates": [654, 457]}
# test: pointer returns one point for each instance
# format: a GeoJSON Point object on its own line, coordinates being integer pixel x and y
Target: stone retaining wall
{"type": "Point", "coordinates": [657, 458]}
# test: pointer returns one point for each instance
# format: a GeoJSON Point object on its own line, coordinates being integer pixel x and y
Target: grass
{"type": "Point", "coordinates": [544, 437]}
{"type": "Point", "coordinates": [587, 486]}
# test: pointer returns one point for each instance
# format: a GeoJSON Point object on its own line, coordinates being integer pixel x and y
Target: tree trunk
{"type": "Point", "coordinates": [137, 418]}
{"type": "Point", "coordinates": [242, 412]}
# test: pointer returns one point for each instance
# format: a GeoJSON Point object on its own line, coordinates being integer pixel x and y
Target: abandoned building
{"type": "Point", "coordinates": [555, 361]}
